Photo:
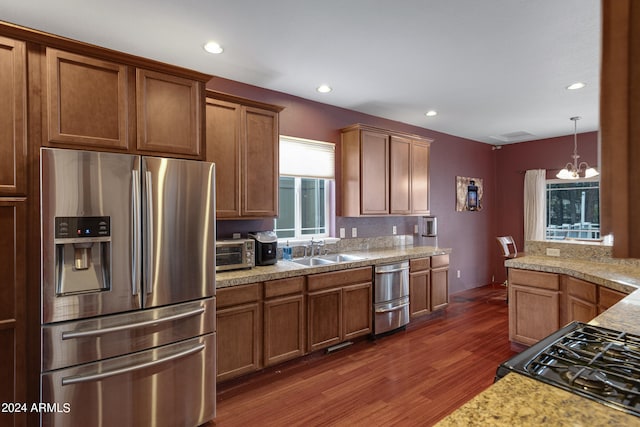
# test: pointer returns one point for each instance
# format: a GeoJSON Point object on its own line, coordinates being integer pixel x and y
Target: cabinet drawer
{"type": "Point", "coordinates": [419, 264]}
{"type": "Point", "coordinates": [534, 278]}
{"type": "Point", "coordinates": [334, 279]}
{"type": "Point", "coordinates": [276, 288]}
{"type": "Point", "coordinates": [580, 289]}
{"type": "Point", "coordinates": [235, 295]}
{"type": "Point", "coordinates": [439, 261]}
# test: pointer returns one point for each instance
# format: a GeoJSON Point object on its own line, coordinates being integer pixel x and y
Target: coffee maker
{"type": "Point", "coordinates": [266, 247]}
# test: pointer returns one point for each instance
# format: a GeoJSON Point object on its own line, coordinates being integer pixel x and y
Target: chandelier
{"type": "Point", "coordinates": [575, 170]}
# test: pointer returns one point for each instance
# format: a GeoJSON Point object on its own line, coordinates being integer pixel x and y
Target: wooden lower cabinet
{"type": "Point", "coordinates": [607, 298]}
{"type": "Point", "coordinates": [339, 306]}
{"type": "Point", "coordinates": [325, 318]}
{"type": "Point", "coordinates": [239, 331]}
{"type": "Point", "coordinates": [580, 300]}
{"type": "Point", "coordinates": [419, 287]}
{"type": "Point", "coordinates": [534, 310]}
{"type": "Point", "coordinates": [357, 306]}
{"type": "Point", "coordinates": [13, 266]}
{"type": "Point", "coordinates": [540, 303]}
{"type": "Point", "coordinates": [439, 298]}
{"type": "Point", "coordinates": [284, 320]}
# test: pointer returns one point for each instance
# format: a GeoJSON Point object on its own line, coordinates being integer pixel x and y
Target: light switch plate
{"type": "Point", "coordinates": [354, 232]}
{"type": "Point", "coordinates": [342, 233]}
{"type": "Point", "coordinates": [394, 230]}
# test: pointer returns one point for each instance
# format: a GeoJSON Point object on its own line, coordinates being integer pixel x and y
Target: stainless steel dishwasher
{"type": "Point", "coordinates": [391, 297]}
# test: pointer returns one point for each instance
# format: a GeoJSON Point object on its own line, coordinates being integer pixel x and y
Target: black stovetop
{"type": "Point", "coordinates": [592, 361]}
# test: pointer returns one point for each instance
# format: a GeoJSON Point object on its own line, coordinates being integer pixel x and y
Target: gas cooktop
{"type": "Point", "coordinates": [595, 362]}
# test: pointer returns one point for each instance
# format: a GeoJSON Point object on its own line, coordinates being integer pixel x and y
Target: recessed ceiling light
{"type": "Point", "coordinates": [577, 85]}
{"type": "Point", "coordinates": [213, 47]}
{"type": "Point", "coordinates": [431, 113]}
{"type": "Point", "coordinates": [324, 89]}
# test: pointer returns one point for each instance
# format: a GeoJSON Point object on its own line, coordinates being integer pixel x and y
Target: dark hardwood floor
{"type": "Point", "coordinates": [413, 377]}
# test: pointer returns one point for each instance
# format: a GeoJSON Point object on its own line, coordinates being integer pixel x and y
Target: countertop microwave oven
{"type": "Point", "coordinates": [235, 254]}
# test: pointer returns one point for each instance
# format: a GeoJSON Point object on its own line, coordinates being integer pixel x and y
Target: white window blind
{"type": "Point", "coordinates": [306, 158]}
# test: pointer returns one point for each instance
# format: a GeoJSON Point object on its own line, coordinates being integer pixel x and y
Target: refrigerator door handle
{"type": "Point", "coordinates": [135, 241]}
{"type": "Point", "coordinates": [96, 377]}
{"type": "Point", "coordinates": [67, 335]}
{"type": "Point", "coordinates": [149, 228]}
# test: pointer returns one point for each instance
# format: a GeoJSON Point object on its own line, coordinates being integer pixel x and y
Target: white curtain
{"type": "Point", "coordinates": [535, 193]}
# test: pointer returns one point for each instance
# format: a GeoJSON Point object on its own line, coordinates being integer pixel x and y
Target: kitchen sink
{"type": "Point", "coordinates": [312, 262]}
{"type": "Point", "coordinates": [341, 257]}
{"type": "Point", "coordinates": [327, 259]}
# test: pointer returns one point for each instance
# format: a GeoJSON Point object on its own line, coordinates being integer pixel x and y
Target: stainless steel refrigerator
{"type": "Point", "coordinates": [128, 290]}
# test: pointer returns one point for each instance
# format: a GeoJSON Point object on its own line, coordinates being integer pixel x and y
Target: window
{"type": "Point", "coordinates": [306, 188]}
{"type": "Point", "coordinates": [573, 209]}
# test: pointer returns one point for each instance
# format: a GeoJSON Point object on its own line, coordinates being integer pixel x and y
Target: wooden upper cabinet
{"type": "Point", "coordinates": [260, 162]}
{"type": "Point", "coordinates": [400, 175]}
{"type": "Point", "coordinates": [374, 180]}
{"type": "Point", "coordinates": [13, 123]}
{"type": "Point", "coordinates": [99, 104]}
{"type": "Point", "coordinates": [168, 113]}
{"type": "Point", "coordinates": [420, 161]}
{"type": "Point", "coordinates": [86, 101]}
{"type": "Point", "coordinates": [242, 139]}
{"type": "Point", "coordinates": [223, 148]}
{"type": "Point", "coordinates": [383, 172]}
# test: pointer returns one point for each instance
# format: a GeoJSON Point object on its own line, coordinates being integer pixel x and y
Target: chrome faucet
{"type": "Point", "coordinates": [313, 247]}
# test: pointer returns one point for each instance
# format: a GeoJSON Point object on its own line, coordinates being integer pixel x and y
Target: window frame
{"type": "Point", "coordinates": [572, 233]}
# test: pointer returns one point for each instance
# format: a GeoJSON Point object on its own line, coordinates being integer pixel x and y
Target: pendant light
{"type": "Point", "coordinates": [575, 170]}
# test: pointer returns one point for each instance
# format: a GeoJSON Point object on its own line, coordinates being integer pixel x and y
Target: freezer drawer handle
{"type": "Point", "coordinates": [396, 308]}
{"type": "Point", "coordinates": [81, 334]}
{"type": "Point", "coordinates": [102, 375]}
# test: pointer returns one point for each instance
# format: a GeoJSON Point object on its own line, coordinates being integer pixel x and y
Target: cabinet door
{"type": "Point", "coordinates": [419, 288]}
{"type": "Point", "coordinates": [260, 163]}
{"type": "Point", "coordinates": [420, 177]}
{"type": "Point", "coordinates": [356, 310]}
{"type": "Point", "coordinates": [324, 318]}
{"type": "Point", "coordinates": [400, 175]}
{"type": "Point", "coordinates": [533, 313]}
{"type": "Point", "coordinates": [374, 167]}
{"type": "Point", "coordinates": [12, 307]}
{"type": "Point", "coordinates": [239, 340]}
{"type": "Point", "coordinates": [223, 148]}
{"type": "Point", "coordinates": [608, 297]}
{"type": "Point", "coordinates": [283, 329]}
{"type": "Point", "coordinates": [439, 288]}
{"type": "Point", "coordinates": [13, 123]}
{"type": "Point", "coordinates": [169, 113]}
{"type": "Point", "coordinates": [87, 101]}
{"type": "Point", "coordinates": [581, 298]}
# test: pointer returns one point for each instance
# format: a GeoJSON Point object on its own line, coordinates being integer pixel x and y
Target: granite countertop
{"type": "Point", "coordinates": [517, 400]}
{"type": "Point", "coordinates": [618, 276]}
{"type": "Point", "coordinates": [283, 269]}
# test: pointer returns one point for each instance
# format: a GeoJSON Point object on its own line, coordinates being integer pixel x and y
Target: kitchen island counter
{"type": "Point", "coordinates": [283, 269]}
{"type": "Point", "coordinates": [517, 400]}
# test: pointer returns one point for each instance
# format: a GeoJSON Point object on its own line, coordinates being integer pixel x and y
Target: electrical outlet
{"type": "Point", "coordinates": [394, 230]}
{"type": "Point", "coordinates": [354, 232]}
{"type": "Point", "coordinates": [553, 252]}
{"type": "Point", "coordinates": [415, 229]}
{"type": "Point", "coordinates": [342, 233]}
{"type": "Point", "coordinates": [458, 273]}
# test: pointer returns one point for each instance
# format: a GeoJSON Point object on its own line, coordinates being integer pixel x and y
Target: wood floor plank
{"type": "Point", "coordinates": [413, 377]}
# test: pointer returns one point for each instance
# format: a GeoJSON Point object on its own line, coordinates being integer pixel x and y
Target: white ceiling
{"type": "Point", "coordinates": [490, 68]}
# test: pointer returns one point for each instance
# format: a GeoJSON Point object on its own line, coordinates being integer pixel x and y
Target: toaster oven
{"type": "Point", "coordinates": [234, 254]}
